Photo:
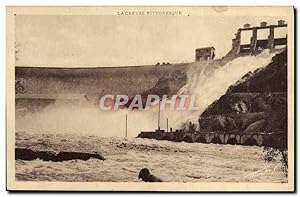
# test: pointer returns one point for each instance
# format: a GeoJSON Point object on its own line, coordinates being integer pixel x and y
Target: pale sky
{"type": "Point", "coordinates": [103, 41]}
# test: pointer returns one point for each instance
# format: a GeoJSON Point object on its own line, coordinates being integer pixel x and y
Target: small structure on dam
{"type": "Point", "coordinates": [207, 53]}
{"type": "Point", "coordinates": [251, 39]}
{"type": "Point", "coordinates": [262, 37]}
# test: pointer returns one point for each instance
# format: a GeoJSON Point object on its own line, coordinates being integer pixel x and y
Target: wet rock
{"type": "Point", "coordinates": [240, 107]}
{"type": "Point", "coordinates": [28, 154]}
{"type": "Point", "coordinates": [64, 156]}
{"type": "Point", "coordinates": [46, 155]}
{"type": "Point", "coordinates": [258, 126]}
{"type": "Point", "coordinates": [220, 123]}
{"type": "Point", "coordinates": [25, 154]}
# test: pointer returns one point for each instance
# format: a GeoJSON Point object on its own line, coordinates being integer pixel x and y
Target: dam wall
{"type": "Point", "coordinates": [43, 86]}
{"type": "Point", "coordinates": [106, 80]}
{"type": "Point", "coordinates": [38, 87]}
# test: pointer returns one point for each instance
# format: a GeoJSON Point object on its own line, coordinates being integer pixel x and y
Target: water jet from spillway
{"type": "Point", "coordinates": [210, 84]}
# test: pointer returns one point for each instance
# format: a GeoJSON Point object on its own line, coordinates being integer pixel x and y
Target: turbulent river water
{"type": "Point", "coordinates": [125, 157]}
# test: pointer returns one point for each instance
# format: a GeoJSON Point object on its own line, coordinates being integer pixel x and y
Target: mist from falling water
{"type": "Point", "coordinates": [207, 80]}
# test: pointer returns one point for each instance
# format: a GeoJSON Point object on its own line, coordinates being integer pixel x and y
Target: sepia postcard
{"type": "Point", "coordinates": [150, 99]}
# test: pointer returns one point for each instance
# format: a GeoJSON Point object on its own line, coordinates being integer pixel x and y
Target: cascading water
{"type": "Point", "coordinates": [209, 84]}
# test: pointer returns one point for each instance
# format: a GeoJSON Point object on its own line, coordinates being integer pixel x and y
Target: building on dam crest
{"type": "Point", "coordinates": [207, 53]}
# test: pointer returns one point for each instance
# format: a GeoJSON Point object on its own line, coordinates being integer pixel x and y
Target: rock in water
{"type": "Point", "coordinates": [147, 177]}
{"type": "Point", "coordinates": [28, 154]}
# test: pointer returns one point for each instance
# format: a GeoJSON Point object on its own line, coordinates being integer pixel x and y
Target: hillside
{"type": "Point", "coordinates": [256, 103]}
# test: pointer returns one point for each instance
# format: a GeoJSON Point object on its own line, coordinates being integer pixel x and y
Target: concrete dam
{"type": "Point", "coordinates": [234, 112]}
{"type": "Point", "coordinates": [38, 87]}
